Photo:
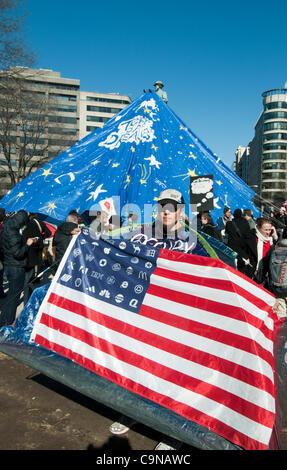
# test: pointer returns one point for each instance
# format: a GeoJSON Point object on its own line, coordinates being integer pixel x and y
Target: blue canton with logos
{"type": "Point", "coordinates": [112, 270]}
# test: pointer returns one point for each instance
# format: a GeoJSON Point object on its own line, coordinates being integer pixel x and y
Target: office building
{"type": "Point", "coordinates": [265, 167]}
{"type": "Point", "coordinates": [50, 115]}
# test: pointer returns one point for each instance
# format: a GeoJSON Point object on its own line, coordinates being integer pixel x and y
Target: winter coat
{"type": "Point", "coordinates": [14, 245]}
{"type": "Point", "coordinates": [242, 240]}
{"type": "Point", "coordinates": [36, 228]}
{"type": "Point", "coordinates": [62, 238]}
{"type": "Point", "coordinates": [211, 230]}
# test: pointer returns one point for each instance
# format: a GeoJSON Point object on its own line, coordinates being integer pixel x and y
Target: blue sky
{"type": "Point", "coordinates": [214, 57]}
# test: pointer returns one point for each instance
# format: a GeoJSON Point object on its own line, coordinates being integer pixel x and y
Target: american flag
{"type": "Point", "coordinates": [187, 332]}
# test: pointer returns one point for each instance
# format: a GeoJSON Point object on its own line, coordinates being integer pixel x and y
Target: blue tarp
{"type": "Point", "coordinates": [141, 151]}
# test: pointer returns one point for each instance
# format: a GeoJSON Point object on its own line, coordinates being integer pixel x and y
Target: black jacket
{"type": "Point", "coordinates": [35, 251]}
{"type": "Point", "coordinates": [14, 245]}
{"type": "Point", "coordinates": [211, 230]}
{"type": "Point", "coordinates": [62, 238]}
{"type": "Point", "coordinates": [242, 240]}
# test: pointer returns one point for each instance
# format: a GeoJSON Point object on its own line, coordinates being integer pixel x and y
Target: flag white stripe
{"type": "Point", "coordinates": [218, 295]}
{"type": "Point", "coordinates": [199, 402]}
{"type": "Point", "coordinates": [207, 345]}
{"type": "Point", "coordinates": [210, 272]}
{"type": "Point", "coordinates": [216, 320]}
{"type": "Point", "coordinates": [205, 374]}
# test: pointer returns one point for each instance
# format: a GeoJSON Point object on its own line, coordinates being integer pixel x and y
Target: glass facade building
{"type": "Point", "coordinates": [274, 146]}
{"type": "Point", "coordinates": [264, 166]}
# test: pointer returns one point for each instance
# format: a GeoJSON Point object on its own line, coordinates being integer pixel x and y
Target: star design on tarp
{"type": "Point", "coordinates": [186, 175]}
{"type": "Point", "coordinates": [133, 149]}
{"type": "Point", "coordinates": [154, 147]}
{"type": "Point", "coordinates": [219, 182]}
{"type": "Point", "coordinates": [95, 162]}
{"type": "Point", "coordinates": [46, 172]}
{"type": "Point", "coordinates": [50, 208]}
{"type": "Point", "coordinates": [17, 197]}
{"type": "Point", "coordinates": [94, 194]}
{"type": "Point", "coordinates": [144, 174]}
{"type": "Point", "coordinates": [115, 165]}
{"type": "Point", "coordinates": [192, 156]}
{"type": "Point", "coordinates": [127, 182]}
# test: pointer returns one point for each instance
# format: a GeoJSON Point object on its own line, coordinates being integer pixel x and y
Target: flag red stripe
{"type": "Point", "coordinates": [200, 357]}
{"type": "Point", "coordinates": [220, 284]}
{"type": "Point", "coordinates": [205, 261]}
{"type": "Point", "coordinates": [190, 413]}
{"type": "Point", "coordinates": [170, 346]}
{"type": "Point", "coordinates": [185, 381]}
{"type": "Point", "coordinates": [216, 307]}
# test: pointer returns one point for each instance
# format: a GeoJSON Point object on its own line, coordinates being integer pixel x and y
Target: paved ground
{"type": "Point", "coordinates": [37, 413]}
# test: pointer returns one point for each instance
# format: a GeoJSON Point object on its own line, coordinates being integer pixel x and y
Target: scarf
{"type": "Point", "coordinates": [263, 245]}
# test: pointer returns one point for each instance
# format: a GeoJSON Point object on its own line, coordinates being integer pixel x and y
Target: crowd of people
{"type": "Point", "coordinates": [28, 247]}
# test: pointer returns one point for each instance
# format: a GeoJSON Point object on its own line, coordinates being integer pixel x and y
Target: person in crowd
{"type": "Point", "coordinates": [115, 222]}
{"type": "Point", "coordinates": [15, 249]}
{"type": "Point", "coordinates": [248, 215]}
{"type": "Point", "coordinates": [221, 223]}
{"type": "Point", "coordinates": [63, 236]}
{"type": "Point", "coordinates": [242, 241]}
{"type": "Point", "coordinates": [208, 227]}
{"type": "Point", "coordinates": [101, 223]}
{"type": "Point", "coordinates": [266, 237]}
{"type": "Point", "coordinates": [81, 221]}
{"type": "Point", "coordinates": [35, 228]}
{"type": "Point", "coordinates": [168, 223]}
{"type": "Point", "coordinates": [281, 223]}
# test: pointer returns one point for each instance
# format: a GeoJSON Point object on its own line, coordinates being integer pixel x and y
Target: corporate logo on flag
{"type": "Point", "coordinates": [120, 276]}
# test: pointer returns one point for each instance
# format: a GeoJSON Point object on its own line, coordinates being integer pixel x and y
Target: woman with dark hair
{"type": "Point", "coordinates": [208, 227]}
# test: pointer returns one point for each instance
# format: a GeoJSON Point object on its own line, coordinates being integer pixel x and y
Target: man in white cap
{"type": "Point", "coordinates": [168, 224]}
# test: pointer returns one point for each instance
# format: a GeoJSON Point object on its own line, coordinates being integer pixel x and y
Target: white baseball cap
{"type": "Point", "coordinates": [170, 195]}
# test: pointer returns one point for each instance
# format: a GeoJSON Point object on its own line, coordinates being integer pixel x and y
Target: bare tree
{"type": "Point", "coordinates": [13, 50]}
{"type": "Point", "coordinates": [25, 112]}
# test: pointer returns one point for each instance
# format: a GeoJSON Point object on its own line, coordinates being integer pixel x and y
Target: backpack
{"type": "Point", "coordinates": [278, 271]}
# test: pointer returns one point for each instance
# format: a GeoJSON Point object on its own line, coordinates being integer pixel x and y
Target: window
{"type": "Point", "coordinates": [97, 118]}
{"type": "Point", "coordinates": [275, 115]}
{"type": "Point", "coordinates": [63, 108]}
{"type": "Point", "coordinates": [276, 104]}
{"type": "Point", "coordinates": [270, 126]}
{"type": "Point", "coordinates": [274, 175]}
{"type": "Point", "coordinates": [275, 156]}
{"type": "Point", "coordinates": [107, 100]}
{"type": "Point", "coordinates": [273, 166]}
{"type": "Point", "coordinates": [274, 185]}
{"type": "Point", "coordinates": [62, 130]}
{"type": "Point", "coordinates": [61, 143]}
{"type": "Point", "coordinates": [103, 109]}
{"type": "Point", "coordinates": [276, 146]}
{"type": "Point", "coordinates": [58, 97]}
{"type": "Point", "coordinates": [91, 128]}
{"type": "Point", "coordinates": [279, 136]}
{"type": "Point", "coordinates": [64, 119]}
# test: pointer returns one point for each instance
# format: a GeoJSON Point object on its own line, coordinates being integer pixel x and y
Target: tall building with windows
{"type": "Point", "coordinates": [265, 168]}
{"type": "Point", "coordinates": [41, 115]}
